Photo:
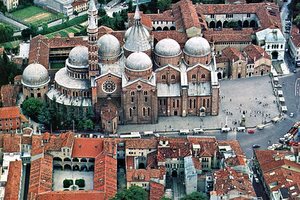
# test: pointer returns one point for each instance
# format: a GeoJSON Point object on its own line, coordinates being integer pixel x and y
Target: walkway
{"type": "Point", "coordinates": [13, 22]}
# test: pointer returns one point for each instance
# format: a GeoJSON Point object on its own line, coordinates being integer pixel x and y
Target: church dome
{"type": "Point", "coordinates": [138, 61]}
{"type": "Point", "coordinates": [167, 47]}
{"type": "Point", "coordinates": [108, 46]}
{"type": "Point", "coordinates": [35, 75]}
{"type": "Point", "coordinates": [129, 30]}
{"type": "Point", "coordinates": [197, 46]}
{"type": "Point", "coordinates": [79, 56]}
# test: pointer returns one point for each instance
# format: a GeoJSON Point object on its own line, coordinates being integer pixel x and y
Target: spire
{"type": "Point", "coordinates": [92, 22]}
{"type": "Point", "coordinates": [92, 6]}
{"type": "Point", "coordinates": [137, 16]}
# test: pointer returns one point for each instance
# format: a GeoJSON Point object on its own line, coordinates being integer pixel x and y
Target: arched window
{"type": "Point", "coordinates": [202, 75]}
{"type": "Point", "coordinates": [132, 93]}
{"type": "Point", "coordinates": [145, 93]}
{"type": "Point", "coordinates": [194, 76]}
{"type": "Point", "coordinates": [148, 111]}
{"type": "Point", "coordinates": [207, 103]}
{"type": "Point", "coordinates": [163, 77]}
{"type": "Point", "coordinates": [190, 103]}
{"type": "Point", "coordinates": [203, 103]}
{"type": "Point", "coordinates": [194, 103]}
{"type": "Point", "coordinates": [144, 112]}
{"type": "Point", "coordinates": [130, 112]}
{"type": "Point", "coordinates": [173, 103]}
{"type": "Point", "coordinates": [173, 77]}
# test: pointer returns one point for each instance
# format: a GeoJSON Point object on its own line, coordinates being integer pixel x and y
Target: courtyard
{"type": "Point", "coordinates": [252, 97]}
{"type": "Point", "coordinates": [60, 175]}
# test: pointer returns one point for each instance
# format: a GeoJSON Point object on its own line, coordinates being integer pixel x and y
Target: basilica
{"type": "Point", "coordinates": [134, 83]}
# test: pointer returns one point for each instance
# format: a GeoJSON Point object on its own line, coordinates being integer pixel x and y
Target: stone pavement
{"type": "Point", "coordinates": [253, 96]}
{"type": "Point", "coordinates": [59, 176]}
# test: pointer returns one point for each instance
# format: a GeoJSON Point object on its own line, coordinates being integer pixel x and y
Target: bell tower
{"type": "Point", "coordinates": [92, 31]}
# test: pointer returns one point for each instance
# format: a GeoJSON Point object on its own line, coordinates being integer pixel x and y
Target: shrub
{"type": "Point", "coordinates": [67, 183]}
{"type": "Point", "coordinates": [80, 182]}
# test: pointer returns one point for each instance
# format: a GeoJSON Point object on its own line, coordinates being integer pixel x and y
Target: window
{"type": "Point", "coordinates": [203, 102]}
{"type": "Point", "coordinates": [194, 103]}
{"type": "Point", "coordinates": [145, 93]}
{"type": "Point", "coordinates": [130, 112]}
{"type": "Point", "coordinates": [177, 103]}
{"type": "Point", "coordinates": [173, 77]}
{"type": "Point", "coordinates": [202, 75]}
{"type": "Point", "coordinates": [194, 76]}
{"type": "Point", "coordinates": [132, 99]}
{"type": "Point", "coordinates": [148, 111]}
{"type": "Point", "coordinates": [248, 15]}
{"type": "Point", "coordinates": [190, 103]}
{"type": "Point", "coordinates": [173, 103]}
{"type": "Point", "coordinates": [212, 16]}
{"type": "Point", "coordinates": [146, 99]}
{"type": "Point", "coordinates": [132, 93]}
{"type": "Point", "coordinates": [144, 112]}
{"type": "Point", "coordinates": [229, 15]}
{"type": "Point", "coordinates": [207, 103]}
{"type": "Point", "coordinates": [163, 77]}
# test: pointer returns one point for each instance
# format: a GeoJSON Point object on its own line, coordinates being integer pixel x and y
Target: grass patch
{"type": "Point", "coordinates": [34, 15]}
{"type": "Point", "coordinates": [64, 32]}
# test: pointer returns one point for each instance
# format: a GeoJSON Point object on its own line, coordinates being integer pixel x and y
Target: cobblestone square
{"type": "Point", "coordinates": [252, 96]}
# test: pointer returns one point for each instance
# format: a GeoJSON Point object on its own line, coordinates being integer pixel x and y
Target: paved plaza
{"type": "Point", "coordinates": [59, 176]}
{"type": "Point", "coordinates": [252, 96]}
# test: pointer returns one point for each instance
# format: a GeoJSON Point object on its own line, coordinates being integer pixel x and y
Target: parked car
{"type": "Point", "coordinates": [251, 131]}
{"type": "Point", "coordinates": [198, 130]}
{"type": "Point", "coordinates": [291, 114]}
{"type": "Point", "coordinates": [256, 180]}
{"type": "Point", "coordinates": [255, 146]}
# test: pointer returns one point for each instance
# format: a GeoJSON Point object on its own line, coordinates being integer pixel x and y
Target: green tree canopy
{"type": "Point", "coordinates": [164, 4]}
{"type": "Point", "coordinates": [6, 32]}
{"type": "Point", "coordinates": [133, 193]}
{"type": "Point", "coordinates": [32, 107]}
{"type": "Point", "coordinates": [297, 20]}
{"type": "Point", "coordinates": [195, 196]}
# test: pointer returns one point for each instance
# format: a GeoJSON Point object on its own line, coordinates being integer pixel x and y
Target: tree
{"type": "Point", "coordinates": [297, 20]}
{"type": "Point", "coordinates": [165, 198]}
{"type": "Point", "coordinates": [75, 13]}
{"type": "Point", "coordinates": [195, 196]}
{"type": "Point", "coordinates": [88, 124]}
{"type": "Point", "coordinates": [32, 107]}
{"type": "Point", "coordinates": [297, 6]}
{"type": "Point", "coordinates": [164, 4]}
{"type": "Point", "coordinates": [133, 193]}
{"type": "Point", "coordinates": [44, 116]}
{"type": "Point", "coordinates": [6, 32]}
{"type": "Point", "coordinates": [101, 12]}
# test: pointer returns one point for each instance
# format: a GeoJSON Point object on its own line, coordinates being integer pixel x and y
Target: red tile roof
{"type": "Point", "coordinates": [9, 95]}
{"type": "Point", "coordinates": [40, 176]}
{"type": "Point", "coordinates": [105, 175]}
{"type": "Point", "coordinates": [228, 35]}
{"type": "Point", "coordinates": [208, 146]}
{"type": "Point", "coordinates": [228, 179]}
{"type": "Point", "coordinates": [142, 175]}
{"type": "Point", "coordinates": [74, 195]}
{"type": "Point", "coordinates": [12, 188]}
{"type": "Point", "coordinates": [157, 191]}
{"type": "Point", "coordinates": [11, 143]}
{"type": "Point", "coordinates": [176, 148]}
{"type": "Point", "coordinates": [232, 53]}
{"type": "Point", "coordinates": [180, 37]}
{"type": "Point", "coordinates": [87, 147]}
{"type": "Point", "coordinates": [234, 144]}
{"type": "Point", "coordinates": [295, 36]}
{"type": "Point", "coordinates": [141, 144]}
{"type": "Point", "coordinates": [9, 112]}
{"type": "Point", "coordinates": [254, 52]}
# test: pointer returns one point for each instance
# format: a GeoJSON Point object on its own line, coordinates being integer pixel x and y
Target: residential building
{"type": "Point", "coordinates": [10, 119]}
{"type": "Point", "coordinates": [294, 44]}
{"type": "Point", "coordinates": [10, 4]}
{"type": "Point", "coordinates": [279, 175]}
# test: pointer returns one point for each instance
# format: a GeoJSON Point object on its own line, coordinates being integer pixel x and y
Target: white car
{"type": "Point", "coordinates": [198, 130]}
{"type": "Point", "coordinates": [256, 180]}
{"type": "Point", "coordinates": [291, 114]}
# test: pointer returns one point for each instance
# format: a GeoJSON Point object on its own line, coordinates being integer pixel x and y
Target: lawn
{"type": "Point", "coordinates": [34, 15]}
{"type": "Point", "coordinates": [64, 32]}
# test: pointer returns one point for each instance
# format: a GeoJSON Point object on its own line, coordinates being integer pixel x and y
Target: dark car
{"type": "Point", "coordinates": [255, 146]}
{"type": "Point", "coordinates": [251, 131]}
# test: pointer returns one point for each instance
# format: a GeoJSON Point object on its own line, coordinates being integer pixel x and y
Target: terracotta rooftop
{"type": "Point", "coordinates": [232, 53]}
{"type": "Point", "coordinates": [176, 148]}
{"type": "Point", "coordinates": [180, 37]}
{"type": "Point", "coordinates": [105, 175]}
{"type": "Point", "coordinates": [234, 144]}
{"type": "Point", "coordinates": [79, 2]}
{"type": "Point", "coordinates": [295, 36]}
{"type": "Point", "coordinates": [11, 143]}
{"type": "Point", "coordinates": [142, 175]}
{"type": "Point", "coordinates": [87, 147]}
{"type": "Point", "coordinates": [9, 112]}
{"type": "Point", "coordinates": [9, 95]}
{"type": "Point", "coordinates": [157, 191]}
{"type": "Point", "coordinates": [254, 52]}
{"type": "Point", "coordinates": [40, 176]}
{"type": "Point", "coordinates": [208, 146]}
{"type": "Point", "coordinates": [141, 144]}
{"type": "Point", "coordinates": [228, 179]}
{"type": "Point", "coordinates": [74, 195]}
{"type": "Point", "coordinates": [40, 47]}
{"type": "Point", "coordinates": [228, 35]}
{"type": "Point", "coordinates": [12, 188]}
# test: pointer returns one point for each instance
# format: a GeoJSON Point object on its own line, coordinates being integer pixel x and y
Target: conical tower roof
{"type": "Point", "coordinates": [138, 37]}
